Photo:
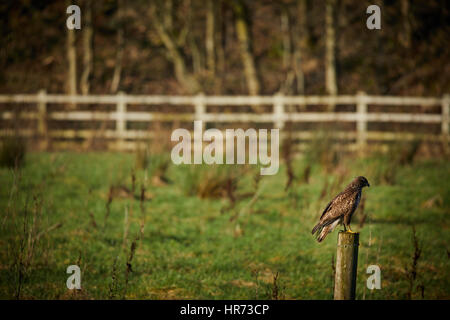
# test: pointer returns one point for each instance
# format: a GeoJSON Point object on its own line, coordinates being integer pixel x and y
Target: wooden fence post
{"type": "Point", "coordinates": [278, 110]}
{"type": "Point", "coordinates": [346, 266]}
{"type": "Point", "coordinates": [42, 119]}
{"type": "Point", "coordinates": [361, 125]}
{"type": "Point", "coordinates": [200, 110]}
{"type": "Point", "coordinates": [445, 121]}
{"type": "Point", "coordinates": [121, 123]}
{"type": "Point", "coordinates": [200, 107]}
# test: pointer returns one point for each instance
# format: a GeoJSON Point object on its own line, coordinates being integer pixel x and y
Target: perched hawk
{"type": "Point", "coordinates": [340, 209]}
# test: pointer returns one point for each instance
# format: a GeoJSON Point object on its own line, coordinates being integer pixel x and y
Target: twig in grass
{"type": "Point", "coordinates": [133, 181]}
{"type": "Point", "coordinates": [108, 206]}
{"type": "Point", "coordinates": [129, 267]}
{"type": "Point", "coordinates": [255, 272]}
{"type": "Point", "coordinates": [230, 187]}
{"type": "Point", "coordinates": [28, 240]}
{"type": "Point", "coordinates": [48, 230]}
{"type": "Point", "coordinates": [291, 176]}
{"type": "Point", "coordinates": [114, 282]}
{"type": "Point", "coordinates": [93, 222]}
{"type": "Point", "coordinates": [411, 272]}
{"type": "Point", "coordinates": [275, 292]}
{"type": "Point", "coordinates": [257, 177]}
{"type": "Point", "coordinates": [275, 289]}
{"type": "Point", "coordinates": [141, 206]}
{"type": "Point", "coordinates": [17, 175]}
{"type": "Point", "coordinates": [288, 155]}
{"type": "Point", "coordinates": [307, 174]}
{"type": "Point", "coordinates": [248, 205]}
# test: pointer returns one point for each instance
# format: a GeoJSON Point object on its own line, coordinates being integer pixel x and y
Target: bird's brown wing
{"type": "Point", "coordinates": [339, 206]}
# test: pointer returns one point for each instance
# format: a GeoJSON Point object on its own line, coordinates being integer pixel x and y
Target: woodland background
{"type": "Point", "coordinates": [225, 47]}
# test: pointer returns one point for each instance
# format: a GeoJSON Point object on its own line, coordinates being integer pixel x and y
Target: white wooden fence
{"type": "Point", "coordinates": [279, 115]}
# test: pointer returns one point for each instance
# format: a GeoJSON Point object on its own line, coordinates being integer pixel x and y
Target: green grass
{"type": "Point", "coordinates": [191, 250]}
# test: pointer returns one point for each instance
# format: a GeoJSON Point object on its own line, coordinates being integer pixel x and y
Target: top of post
{"type": "Point", "coordinates": [348, 238]}
{"type": "Point", "coordinates": [361, 95]}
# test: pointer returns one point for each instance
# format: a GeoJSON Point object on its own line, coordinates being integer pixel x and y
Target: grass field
{"type": "Point", "coordinates": [183, 241]}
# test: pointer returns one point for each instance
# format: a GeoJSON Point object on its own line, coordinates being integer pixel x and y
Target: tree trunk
{"type": "Point", "coordinates": [405, 36]}
{"type": "Point", "coordinates": [87, 49]}
{"type": "Point", "coordinates": [168, 17]}
{"type": "Point", "coordinates": [245, 44]}
{"type": "Point", "coordinates": [287, 86]}
{"type": "Point", "coordinates": [197, 61]}
{"type": "Point", "coordinates": [330, 44]}
{"type": "Point", "coordinates": [285, 28]}
{"type": "Point", "coordinates": [197, 56]}
{"type": "Point", "coordinates": [300, 36]}
{"type": "Point", "coordinates": [294, 83]}
{"type": "Point", "coordinates": [220, 45]}
{"type": "Point", "coordinates": [210, 27]}
{"type": "Point", "coordinates": [174, 53]}
{"type": "Point", "coordinates": [120, 48]}
{"type": "Point", "coordinates": [72, 61]}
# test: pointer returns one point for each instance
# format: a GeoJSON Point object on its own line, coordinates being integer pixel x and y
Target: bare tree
{"type": "Point", "coordinates": [330, 44]}
{"type": "Point", "coordinates": [210, 28]}
{"type": "Point", "coordinates": [72, 61]}
{"type": "Point", "coordinates": [405, 36]}
{"type": "Point", "coordinates": [85, 81]}
{"type": "Point", "coordinates": [220, 36]}
{"type": "Point", "coordinates": [120, 48]}
{"type": "Point", "coordinates": [174, 52]}
{"type": "Point", "coordinates": [168, 14]}
{"type": "Point", "coordinates": [294, 39]}
{"type": "Point", "coordinates": [245, 46]}
{"type": "Point", "coordinates": [196, 52]}
{"type": "Point", "coordinates": [285, 34]}
{"type": "Point", "coordinates": [300, 36]}
{"type": "Point", "coordinates": [288, 63]}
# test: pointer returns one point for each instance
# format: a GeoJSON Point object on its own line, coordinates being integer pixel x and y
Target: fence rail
{"type": "Point", "coordinates": [279, 115]}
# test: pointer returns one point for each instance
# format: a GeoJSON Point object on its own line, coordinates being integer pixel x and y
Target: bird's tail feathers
{"type": "Point", "coordinates": [322, 234]}
{"type": "Point", "coordinates": [318, 230]}
{"type": "Point", "coordinates": [314, 230]}
{"type": "Point", "coordinates": [324, 229]}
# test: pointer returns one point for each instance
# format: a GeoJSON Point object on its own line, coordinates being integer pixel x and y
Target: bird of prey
{"type": "Point", "coordinates": [340, 209]}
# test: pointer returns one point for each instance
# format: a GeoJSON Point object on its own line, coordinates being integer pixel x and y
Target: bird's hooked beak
{"type": "Point", "coordinates": [368, 184]}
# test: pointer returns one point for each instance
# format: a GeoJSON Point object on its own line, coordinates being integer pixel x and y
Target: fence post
{"type": "Point", "coordinates": [278, 110]}
{"type": "Point", "coordinates": [42, 119]}
{"type": "Point", "coordinates": [445, 120]}
{"type": "Point", "coordinates": [200, 106]}
{"type": "Point", "coordinates": [361, 125]}
{"type": "Point", "coordinates": [121, 123]}
{"type": "Point", "coordinates": [346, 266]}
{"type": "Point", "coordinates": [200, 110]}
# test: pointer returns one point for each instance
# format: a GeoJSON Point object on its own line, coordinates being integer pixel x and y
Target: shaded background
{"type": "Point", "coordinates": [286, 41]}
